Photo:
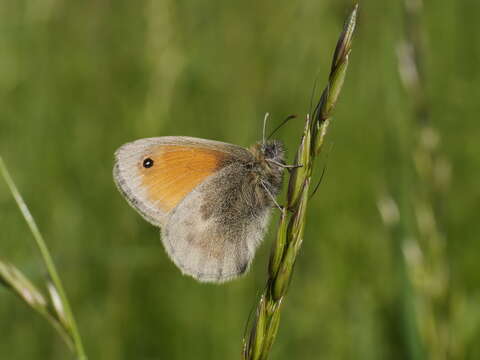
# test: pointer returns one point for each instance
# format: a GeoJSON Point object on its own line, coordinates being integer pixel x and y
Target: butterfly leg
{"type": "Point", "coordinates": [284, 166]}
{"type": "Point", "coordinates": [291, 167]}
{"type": "Point", "coordinates": [272, 197]}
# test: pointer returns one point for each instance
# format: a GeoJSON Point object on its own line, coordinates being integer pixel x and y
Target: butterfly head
{"type": "Point", "coordinates": [269, 160]}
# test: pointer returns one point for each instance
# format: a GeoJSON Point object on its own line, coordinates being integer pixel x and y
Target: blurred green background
{"type": "Point", "coordinates": [79, 79]}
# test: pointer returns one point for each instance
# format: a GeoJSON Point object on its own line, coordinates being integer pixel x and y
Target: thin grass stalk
{"type": "Point", "coordinates": [291, 227]}
{"type": "Point", "coordinates": [68, 320]}
{"type": "Point", "coordinates": [431, 180]}
{"type": "Point", "coordinates": [423, 251]}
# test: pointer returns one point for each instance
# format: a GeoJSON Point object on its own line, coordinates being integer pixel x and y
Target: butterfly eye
{"type": "Point", "coordinates": [147, 163]}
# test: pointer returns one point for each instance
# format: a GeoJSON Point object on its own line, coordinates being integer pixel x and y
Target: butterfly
{"type": "Point", "coordinates": [211, 199]}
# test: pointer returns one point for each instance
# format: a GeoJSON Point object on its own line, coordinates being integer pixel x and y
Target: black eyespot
{"type": "Point", "coordinates": [249, 166]}
{"type": "Point", "coordinates": [147, 163]}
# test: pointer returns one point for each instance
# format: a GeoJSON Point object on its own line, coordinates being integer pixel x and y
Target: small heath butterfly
{"type": "Point", "coordinates": [211, 199]}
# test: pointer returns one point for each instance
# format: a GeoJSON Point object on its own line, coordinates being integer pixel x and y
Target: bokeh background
{"type": "Point", "coordinates": [78, 79]}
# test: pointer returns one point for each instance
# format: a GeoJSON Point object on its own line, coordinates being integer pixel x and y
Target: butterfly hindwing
{"type": "Point", "coordinates": [214, 246]}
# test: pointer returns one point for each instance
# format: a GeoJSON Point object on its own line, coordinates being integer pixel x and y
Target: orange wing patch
{"type": "Point", "coordinates": [176, 171]}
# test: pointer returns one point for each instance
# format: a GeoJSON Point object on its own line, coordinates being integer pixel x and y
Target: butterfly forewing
{"type": "Point", "coordinates": [176, 171]}
{"type": "Point", "coordinates": [156, 174]}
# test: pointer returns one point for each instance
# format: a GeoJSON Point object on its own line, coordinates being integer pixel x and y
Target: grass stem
{"type": "Point", "coordinates": [68, 320]}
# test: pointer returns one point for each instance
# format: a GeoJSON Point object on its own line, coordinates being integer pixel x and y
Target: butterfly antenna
{"type": "Point", "coordinates": [290, 117]}
{"type": "Point", "coordinates": [265, 125]}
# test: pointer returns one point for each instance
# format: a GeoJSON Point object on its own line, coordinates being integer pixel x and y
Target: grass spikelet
{"type": "Point", "coordinates": [291, 227]}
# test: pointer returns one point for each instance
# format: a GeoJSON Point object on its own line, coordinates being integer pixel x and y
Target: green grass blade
{"type": "Point", "coordinates": [69, 320]}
